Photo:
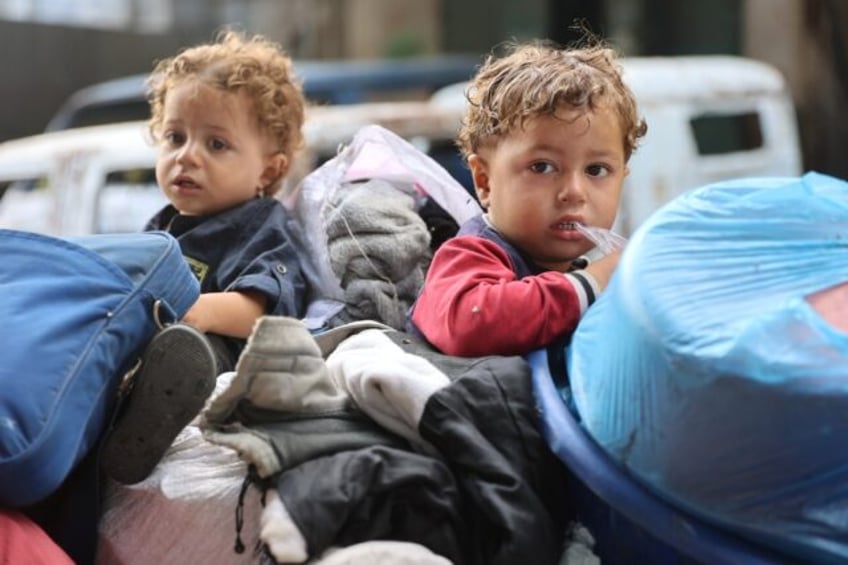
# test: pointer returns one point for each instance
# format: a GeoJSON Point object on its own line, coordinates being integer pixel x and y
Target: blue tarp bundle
{"type": "Point", "coordinates": [705, 371]}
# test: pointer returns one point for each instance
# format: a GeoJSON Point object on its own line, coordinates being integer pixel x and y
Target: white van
{"type": "Point", "coordinates": [710, 118]}
{"type": "Point", "coordinates": [75, 182]}
{"type": "Point", "coordinates": [101, 179]}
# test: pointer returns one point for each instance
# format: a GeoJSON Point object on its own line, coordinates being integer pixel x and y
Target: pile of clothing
{"type": "Point", "coordinates": [363, 433]}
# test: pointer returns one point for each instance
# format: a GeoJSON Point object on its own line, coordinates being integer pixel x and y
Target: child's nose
{"type": "Point", "coordinates": [572, 189]}
{"type": "Point", "coordinates": [187, 153]}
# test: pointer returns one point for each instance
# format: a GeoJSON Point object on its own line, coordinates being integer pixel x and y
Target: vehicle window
{"type": "Point", "coordinates": [25, 204]}
{"type": "Point", "coordinates": [4, 186]}
{"type": "Point", "coordinates": [447, 154]}
{"type": "Point", "coordinates": [324, 83]}
{"type": "Point", "coordinates": [109, 113]}
{"type": "Point", "coordinates": [22, 185]}
{"type": "Point", "coordinates": [127, 200]}
{"type": "Point", "coordinates": [728, 133]}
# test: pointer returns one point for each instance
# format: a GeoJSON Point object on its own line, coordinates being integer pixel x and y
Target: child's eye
{"type": "Point", "coordinates": [598, 170]}
{"type": "Point", "coordinates": [542, 167]}
{"type": "Point", "coordinates": [174, 138]}
{"type": "Point", "coordinates": [217, 144]}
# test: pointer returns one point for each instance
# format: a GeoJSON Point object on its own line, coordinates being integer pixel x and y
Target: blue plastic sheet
{"type": "Point", "coordinates": [704, 370]}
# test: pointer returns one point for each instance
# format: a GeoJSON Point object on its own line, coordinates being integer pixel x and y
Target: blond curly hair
{"type": "Point", "coordinates": [538, 79]}
{"type": "Point", "coordinates": [235, 62]}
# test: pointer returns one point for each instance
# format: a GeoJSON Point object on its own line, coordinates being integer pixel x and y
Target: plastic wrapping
{"type": "Point", "coordinates": [606, 241]}
{"type": "Point", "coordinates": [705, 370]}
{"type": "Point", "coordinates": [184, 512]}
{"type": "Point", "coordinates": [374, 153]}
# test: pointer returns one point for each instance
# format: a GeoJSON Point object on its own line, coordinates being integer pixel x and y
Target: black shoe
{"type": "Point", "coordinates": [177, 375]}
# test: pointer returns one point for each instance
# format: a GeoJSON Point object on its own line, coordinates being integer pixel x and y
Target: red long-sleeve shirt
{"type": "Point", "coordinates": [473, 303]}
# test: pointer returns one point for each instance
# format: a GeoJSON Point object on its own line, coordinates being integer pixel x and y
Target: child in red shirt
{"type": "Point", "coordinates": [547, 136]}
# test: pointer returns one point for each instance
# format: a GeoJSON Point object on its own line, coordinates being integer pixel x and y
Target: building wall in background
{"type": "Point", "coordinates": [43, 64]}
{"type": "Point", "coordinates": [479, 26]}
{"type": "Point", "coordinates": [806, 39]}
{"type": "Point", "coordinates": [334, 29]}
{"type": "Point", "coordinates": [392, 28]}
{"type": "Point", "coordinates": [670, 27]}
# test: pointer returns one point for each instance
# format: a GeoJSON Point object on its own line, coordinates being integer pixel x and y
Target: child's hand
{"type": "Point", "coordinates": [226, 313]}
{"type": "Point", "coordinates": [603, 268]}
{"type": "Point", "coordinates": [198, 315]}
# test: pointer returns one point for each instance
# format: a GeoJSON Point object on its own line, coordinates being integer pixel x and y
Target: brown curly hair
{"type": "Point", "coordinates": [235, 62]}
{"type": "Point", "coordinates": [538, 78]}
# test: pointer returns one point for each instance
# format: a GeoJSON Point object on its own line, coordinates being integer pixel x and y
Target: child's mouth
{"type": "Point", "coordinates": [184, 183]}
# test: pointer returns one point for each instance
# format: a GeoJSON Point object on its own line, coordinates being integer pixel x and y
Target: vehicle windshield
{"type": "Point", "coordinates": [324, 82]}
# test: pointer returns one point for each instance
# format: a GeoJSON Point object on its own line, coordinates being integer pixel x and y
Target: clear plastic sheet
{"type": "Point", "coordinates": [606, 241]}
{"type": "Point", "coordinates": [374, 153]}
{"type": "Point", "coordinates": [184, 512]}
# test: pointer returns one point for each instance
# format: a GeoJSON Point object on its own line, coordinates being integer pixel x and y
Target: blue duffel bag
{"type": "Point", "coordinates": [75, 315]}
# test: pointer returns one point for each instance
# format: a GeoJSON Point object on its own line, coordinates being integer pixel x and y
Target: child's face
{"type": "Point", "coordinates": [540, 180]}
{"type": "Point", "coordinates": [212, 154]}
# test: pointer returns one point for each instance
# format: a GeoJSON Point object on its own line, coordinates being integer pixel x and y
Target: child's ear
{"type": "Point", "coordinates": [480, 176]}
{"type": "Point", "coordinates": [276, 166]}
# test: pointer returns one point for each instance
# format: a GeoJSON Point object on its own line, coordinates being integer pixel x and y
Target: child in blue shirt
{"type": "Point", "coordinates": [226, 118]}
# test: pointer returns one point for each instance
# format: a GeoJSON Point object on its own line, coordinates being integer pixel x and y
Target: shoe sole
{"type": "Point", "coordinates": [177, 375]}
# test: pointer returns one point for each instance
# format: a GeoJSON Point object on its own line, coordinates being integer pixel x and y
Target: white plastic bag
{"type": "Point", "coordinates": [374, 153]}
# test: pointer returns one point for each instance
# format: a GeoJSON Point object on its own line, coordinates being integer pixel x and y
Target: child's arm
{"type": "Point", "coordinates": [603, 268]}
{"type": "Point", "coordinates": [226, 313]}
{"type": "Point", "coordinates": [473, 304]}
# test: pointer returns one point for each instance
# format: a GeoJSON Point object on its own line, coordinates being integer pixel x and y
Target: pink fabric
{"type": "Point", "coordinates": [23, 541]}
{"type": "Point", "coordinates": [832, 305]}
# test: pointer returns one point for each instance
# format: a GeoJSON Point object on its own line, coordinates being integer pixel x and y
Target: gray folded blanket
{"type": "Point", "coordinates": [373, 231]}
{"type": "Point", "coordinates": [376, 206]}
{"type": "Point", "coordinates": [282, 407]}
{"type": "Point", "coordinates": [379, 247]}
{"type": "Point", "coordinates": [387, 302]}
